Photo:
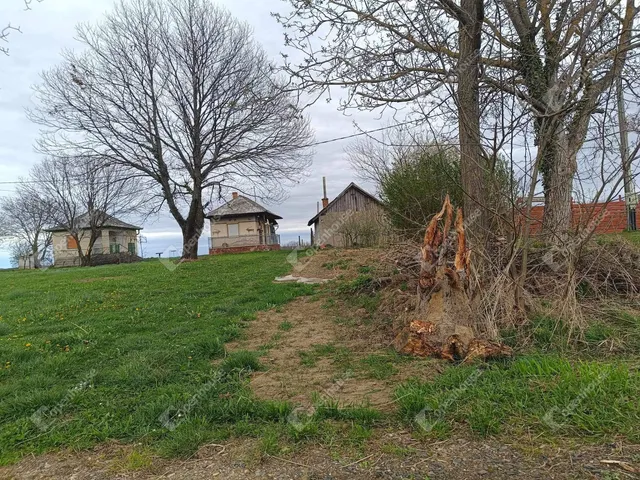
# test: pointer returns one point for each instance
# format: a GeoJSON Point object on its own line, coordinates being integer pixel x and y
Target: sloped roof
{"type": "Point", "coordinates": [340, 195]}
{"type": "Point", "coordinates": [82, 223]}
{"type": "Point", "coordinates": [241, 206]}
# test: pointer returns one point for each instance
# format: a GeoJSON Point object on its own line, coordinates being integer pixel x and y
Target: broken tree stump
{"type": "Point", "coordinates": [444, 325]}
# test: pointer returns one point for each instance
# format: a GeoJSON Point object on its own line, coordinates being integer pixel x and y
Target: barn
{"type": "Point", "coordinates": [354, 209]}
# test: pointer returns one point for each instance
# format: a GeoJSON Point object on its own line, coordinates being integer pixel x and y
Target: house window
{"type": "Point", "coordinates": [71, 243]}
{"type": "Point", "coordinates": [234, 229]}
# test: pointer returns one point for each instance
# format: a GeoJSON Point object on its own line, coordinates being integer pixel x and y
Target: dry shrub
{"type": "Point", "coordinates": [600, 273]}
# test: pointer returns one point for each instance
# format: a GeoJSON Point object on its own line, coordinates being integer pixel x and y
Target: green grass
{"type": "Point", "coordinates": [102, 353]}
{"type": "Point", "coordinates": [285, 326]}
{"type": "Point", "coordinates": [615, 333]}
{"type": "Point", "coordinates": [546, 394]}
{"type": "Point", "coordinates": [633, 237]}
{"type": "Point", "coordinates": [381, 367]}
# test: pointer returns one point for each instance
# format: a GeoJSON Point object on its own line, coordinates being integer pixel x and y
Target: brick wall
{"type": "Point", "coordinates": [614, 220]}
{"type": "Point", "coordinates": [247, 248]}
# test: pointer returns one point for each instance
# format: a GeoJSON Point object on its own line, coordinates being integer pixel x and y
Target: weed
{"type": "Point", "coordinates": [379, 367]}
{"type": "Point", "coordinates": [359, 284]}
{"type": "Point", "coordinates": [285, 326]}
{"type": "Point", "coordinates": [397, 450]}
{"type": "Point", "coordinates": [241, 361]}
{"type": "Point", "coordinates": [134, 461]}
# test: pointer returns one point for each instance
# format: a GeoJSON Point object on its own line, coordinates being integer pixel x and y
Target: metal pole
{"type": "Point", "coordinates": [624, 154]}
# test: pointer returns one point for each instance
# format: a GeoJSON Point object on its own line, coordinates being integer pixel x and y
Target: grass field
{"type": "Point", "coordinates": [632, 237]}
{"type": "Point", "coordinates": [125, 352]}
{"type": "Point", "coordinates": [136, 353]}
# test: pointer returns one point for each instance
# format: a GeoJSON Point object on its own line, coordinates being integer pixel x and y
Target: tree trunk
{"type": "Point", "coordinates": [190, 236]}
{"type": "Point", "coordinates": [558, 171]}
{"type": "Point", "coordinates": [192, 229]}
{"type": "Point", "coordinates": [34, 252]}
{"type": "Point", "coordinates": [444, 324]}
{"type": "Point", "coordinates": [472, 163]}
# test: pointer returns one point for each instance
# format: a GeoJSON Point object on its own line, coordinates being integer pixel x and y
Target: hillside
{"type": "Point", "coordinates": [143, 371]}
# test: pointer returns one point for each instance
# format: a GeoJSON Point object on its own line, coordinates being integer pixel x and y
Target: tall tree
{"type": "Point", "coordinates": [83, 194]}
{"type": "Point", "coordinates": [568, 55]}
{"type": "Point", "coordinates": [178, 92]}
{"type": "Point", "coordinates": [23, 219]}
{"type": "Point", "coordinates": [398, 53]}
{"type": "Point", "coordinates": [557, 59]}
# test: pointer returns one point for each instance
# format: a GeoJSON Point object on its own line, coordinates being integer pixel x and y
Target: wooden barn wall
{"type": "Point", "coordinates": [353, 199]}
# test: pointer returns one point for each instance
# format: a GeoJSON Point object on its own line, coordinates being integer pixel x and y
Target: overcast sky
{"type": "Point", "coordinates": [50, 26]}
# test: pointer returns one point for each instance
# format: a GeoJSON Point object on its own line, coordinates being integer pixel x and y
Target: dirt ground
{"type": "Point", "coordinates": [390, 456]}
{"type": "Point", "coordinates": [334, 376]}
{"type": "Point", "coordinates": [318, 348]}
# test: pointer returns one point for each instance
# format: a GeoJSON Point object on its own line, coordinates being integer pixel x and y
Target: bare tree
{"type": "Point", "coordinates": [556, 59]}
{"type": "Point", "coordinates": [180, 93]}
{"type": "Point", "coordinates": [5, 31]}
{"type": "Point", "coordinates": [23, 219]}
{"type": "Point", "coordinates": [83, 194]}
{"type": "Point", "coordinates": [395, 54]}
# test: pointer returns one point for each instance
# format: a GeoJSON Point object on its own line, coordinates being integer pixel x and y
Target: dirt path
{"type": "Point", "coordinates": [390, 456]}
{"type": "Point", "coordinates": [310, 354]}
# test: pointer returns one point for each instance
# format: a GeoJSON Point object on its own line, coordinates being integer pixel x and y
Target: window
{"type": "Point", "coordinates": [71, 243]}
{"type": "Point", "coordinates": [234, 229]}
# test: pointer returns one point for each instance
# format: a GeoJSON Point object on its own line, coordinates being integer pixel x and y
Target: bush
{"type": "Point", "coordinates": [368, 228]}
{"type": "Point", "coordinates": [414, 189]}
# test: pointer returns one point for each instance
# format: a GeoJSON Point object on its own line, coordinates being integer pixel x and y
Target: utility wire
{"type": "Point", "coordinates": [322, 142]}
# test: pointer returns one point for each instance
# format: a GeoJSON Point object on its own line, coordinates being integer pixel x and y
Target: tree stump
{"type": "Point", "coordinates": [443, 324]}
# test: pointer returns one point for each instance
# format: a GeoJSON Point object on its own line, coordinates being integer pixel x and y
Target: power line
{"type": "Point", "coordinates": [337, 139]}
{"type": "Point", "coordinates": [322, 142]}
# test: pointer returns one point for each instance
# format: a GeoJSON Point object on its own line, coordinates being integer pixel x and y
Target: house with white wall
{"type": "Point", "coordinates": [116, 237]}
{"type": "Point", "coordinates": [242, 225]}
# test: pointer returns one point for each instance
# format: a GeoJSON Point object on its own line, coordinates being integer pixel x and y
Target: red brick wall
{"type": "Point", "coordinates": [614, 220]}
{"type": "Point", "coordinates": [248, 248]}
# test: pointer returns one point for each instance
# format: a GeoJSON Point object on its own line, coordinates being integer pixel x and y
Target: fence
{"type": "Point", "coordinates": [614, 220]}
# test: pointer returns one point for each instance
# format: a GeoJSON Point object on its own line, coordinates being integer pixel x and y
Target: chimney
{"type": "Point", "coordinates": [234, 195]}
{"type": "Point", "coordinates": [325, 200]}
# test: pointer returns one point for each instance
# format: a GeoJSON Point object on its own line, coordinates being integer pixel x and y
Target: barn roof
{"type": "Point", "coordinates": [241, 206]}
{"type": "Point", "coordinates": [340, 195]}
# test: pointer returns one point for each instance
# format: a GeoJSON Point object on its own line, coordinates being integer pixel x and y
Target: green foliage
{"type": "Point", "coordinates": [415, 188]}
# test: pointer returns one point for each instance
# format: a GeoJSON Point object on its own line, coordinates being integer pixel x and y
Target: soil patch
{"type": "Point", "coordinates": [308, 353]}
{"type": "Point", "coordinates": [332, 263]}
{"type": "Point", "coordinates": [387, 456]}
